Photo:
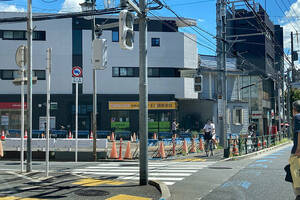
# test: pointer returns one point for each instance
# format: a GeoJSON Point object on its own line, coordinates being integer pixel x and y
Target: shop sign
{"type": "Point", "coordinates": [12, 105]}
{"type": "Point", "coordinates": [257, 114]}
{"type": "Point", "coordinates": [120, 125]}
{"type": "Point", "coordinates": [134, 105]}
{"type": "Point", "coordinates": [4, 120]}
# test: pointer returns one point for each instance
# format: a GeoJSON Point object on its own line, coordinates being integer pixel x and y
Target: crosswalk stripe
{"type": "Point", "coordinates": [153, 178]}
{"type": "Point", "coordinates": [166, 172]}
{"type": "Point", "coordinates": [135, 170]}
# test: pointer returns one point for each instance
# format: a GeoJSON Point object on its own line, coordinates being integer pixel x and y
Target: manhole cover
{"type": "Point", "coordinates": [91, 193]}
{"type": "Point", "coordinates": [220, 168]}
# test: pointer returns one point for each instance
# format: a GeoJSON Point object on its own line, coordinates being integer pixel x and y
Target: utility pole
{"type": "Point", "coordinates": [47, 128]}
{"type": "Point", "coordinates": [221, 67]}
{"type": "Point", "coordinates": [289, 87]}
{"type": "Point", "coordinates": [143, 94]}
{"type": "Point", "coordinates": [29, 85]}
{"type": "Point", "coordinates": [278, 99]}
{"type": "Point", "coordinates": [94, 92]}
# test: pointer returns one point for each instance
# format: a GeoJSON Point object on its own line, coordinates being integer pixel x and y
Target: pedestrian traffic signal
{"type": "Point", "coordinates": [198, 83]}
{"type": "Point", "coordinates": [126, 32]}
{"type": "Point", "coordinates": [99, 53]}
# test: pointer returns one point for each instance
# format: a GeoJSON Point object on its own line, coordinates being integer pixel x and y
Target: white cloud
{"type": "Point", "coordinates": [71, 6]}
{"type": "Point", "coordinates": [201, 20]}
{"type": "Point", "coordinates": [10, 8]}
{"type": "Point", "coordinates": [290, 23]}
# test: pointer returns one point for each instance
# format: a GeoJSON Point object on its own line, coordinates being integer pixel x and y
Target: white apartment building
{"type": "Point", "coordinates": [169, 52]}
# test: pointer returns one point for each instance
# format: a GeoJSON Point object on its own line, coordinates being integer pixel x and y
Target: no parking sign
{"type": "Point", "coordinates": [76, 74]}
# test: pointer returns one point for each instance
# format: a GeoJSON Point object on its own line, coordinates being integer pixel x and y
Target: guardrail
{"type": "Point", "coordinates": [246, 144]}
{"type": "Point", "coordinates": [14, 144]}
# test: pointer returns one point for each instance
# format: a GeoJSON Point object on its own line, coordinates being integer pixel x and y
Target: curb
{"type": "Point", "coordinates": [163, 188]}
{"type": "Point", "coordinates": [256, 153]}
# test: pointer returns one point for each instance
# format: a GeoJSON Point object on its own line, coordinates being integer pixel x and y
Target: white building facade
{"type": "Point", "coordinates": [169, 52]}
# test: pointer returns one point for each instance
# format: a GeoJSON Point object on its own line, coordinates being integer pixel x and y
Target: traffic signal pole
{"type": "Point", "coordinates": [29, 85]}
{"type": "Point", "coordinates": [143, 94]}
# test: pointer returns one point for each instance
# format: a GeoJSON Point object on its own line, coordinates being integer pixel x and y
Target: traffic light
{"type": "Point", "coordinates": [126, 33]}
{"type": "Point", "coordinates": [99, 59]}
{"type": "Point", "coordinates": [198, 83]}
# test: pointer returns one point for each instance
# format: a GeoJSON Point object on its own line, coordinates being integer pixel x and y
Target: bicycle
{"type": "Point", "coordinates": [208, 146]}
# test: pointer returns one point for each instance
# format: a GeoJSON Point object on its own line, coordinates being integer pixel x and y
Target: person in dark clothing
{"type": "Point", "coordinates": [296, 138]}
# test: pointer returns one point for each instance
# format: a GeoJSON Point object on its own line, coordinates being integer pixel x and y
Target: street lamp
{"type": "Point", "coordinates": [87, 6]}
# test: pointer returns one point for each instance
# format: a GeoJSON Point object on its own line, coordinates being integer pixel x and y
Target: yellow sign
{"type": "Point", "coordinates": [96, 182]}
{"type": "Point", "coordinates": [134, 105]}
{"type": "Point", "coordinates": [128, 197]}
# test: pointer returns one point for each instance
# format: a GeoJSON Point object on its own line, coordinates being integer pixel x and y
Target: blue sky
{"type": "Point", "coordinates": [201, 10]}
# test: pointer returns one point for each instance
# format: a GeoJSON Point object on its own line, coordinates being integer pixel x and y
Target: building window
{"type": "Point", "coordinates": [40, 74]}
{"type": "Point", "coordinates": [22, 35]}
{"type": "Point", "coordinates": [153, 72]}
{"type": "Point", "coordinates": [237, 116]}
{"type": "Point", "coordinates": [7, 74]}
{"type": "Point", "coordinates": [115, 36]}
{"type": "Point", "coordinates": [155, 42]}
{"type": "Point", "coordinates": [115, 72]}
{"type": "Point", "coordinates": [125, 72]}
{"type": "Point", "coordinates": [8, 35]}
{"type": "Point", "coordinates": [12, 74]}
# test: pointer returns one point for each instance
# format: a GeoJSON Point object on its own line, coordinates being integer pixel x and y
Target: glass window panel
{"type": "Point", "coordinates": [123, 71]}
{"type": "Point", "coordinates": [115, 71]}
{"type": "Point", "coordinates": [155, 42]}
{"type": "Point", "coordinates": [115, 36]}
{"type": "Point", "coordinates": [8, 74]}
{"type": "Point", "coordinates": [130, 71]}
{"type": "Point", "coordinates": [40, 74]}
{"type": "Point", "coordinates": [19, 35]}
{"type": "Point", "coordinates": [166, 72]}
{"type": "Point", "coordinates": [8, 35]}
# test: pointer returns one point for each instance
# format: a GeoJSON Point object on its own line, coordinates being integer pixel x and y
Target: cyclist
{"type": "Point", "coordinates": [209, 129]}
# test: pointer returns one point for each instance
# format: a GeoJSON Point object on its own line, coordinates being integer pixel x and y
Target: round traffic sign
{"type": "Point", "coordinates": [76, 71]}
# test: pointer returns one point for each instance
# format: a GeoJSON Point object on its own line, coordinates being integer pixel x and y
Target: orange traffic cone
{"type": "Point", "coordinates": [120, 152]}
{"type": "Point", "coordinates": [2, 135]}
{"type": "Point", "coordinates": [91, 135]}
{"type": "Point", "coordinates": [113, 153]}
{"type": "Point", "coordinates": [134, 137]}
{"type": "Point", "coordinates": [235, 149]}
{"type": "Point", "coordinates": [25, 134]}
{"type": "Point", "coordinates": [184, 147]}
{"type": "Point", "coordinates": [264, 143]}
{"type": "Point", "coordinates": [193, 149]}
{"type": "Point", "coordinates": [154, 136]}
{"type": "Point", "coordinates": [128, 154]}
{"type": "Point", "coordinates": [161, 152]}
{"type": "Point", "coordinates": [112, 137]}
{"type": "Point", "coordinates": [258, 143]}
{"type": "Point", "coordinates": [70, 135]}
{"type": "Point", "coordinates": [201, 147]}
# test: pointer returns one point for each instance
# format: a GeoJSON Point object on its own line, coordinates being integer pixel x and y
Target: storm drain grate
{"type": "Point", "coordinates": [219, 167]}
{"type": "Point", "coordinates": [91, 193]}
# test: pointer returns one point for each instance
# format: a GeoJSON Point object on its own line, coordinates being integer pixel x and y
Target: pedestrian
{"type": "Point", "coordinates": [174, 127]}
{"type": "Point", "coordinates": [1, 150]}
{"type": "Point", "coordinates": [295, 153]}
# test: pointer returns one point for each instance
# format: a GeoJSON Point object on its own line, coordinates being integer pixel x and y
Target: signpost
{"type": "Point", "coordinates": [21, 62]}
{"type": "Point", "coordinates": [76, 78]}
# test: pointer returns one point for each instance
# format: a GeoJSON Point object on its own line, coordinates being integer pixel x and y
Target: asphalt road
{"type": "Point", "coordinates": [258, 177]}
{"type": "Point", "coordinates": [192, 178]}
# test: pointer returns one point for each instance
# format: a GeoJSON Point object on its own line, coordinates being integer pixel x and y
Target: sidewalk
{"type": "Point", "coordinates": [33, 186]}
